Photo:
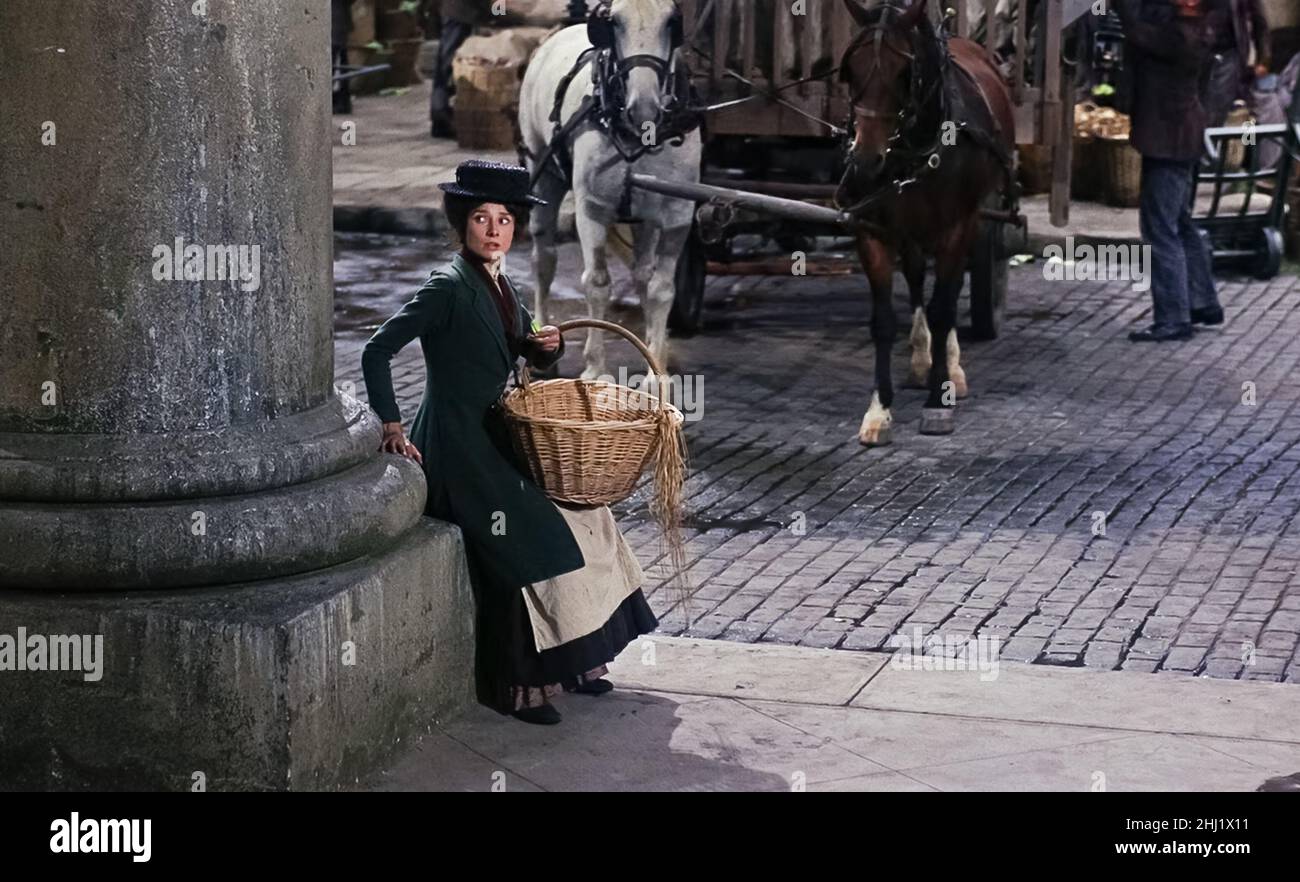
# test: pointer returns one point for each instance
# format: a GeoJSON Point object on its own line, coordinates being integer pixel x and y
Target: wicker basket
{"type": "Point", "coordinates": [1035, 168]}
{"type": "Point", "coordinates": [588, 442]}
{"type": "Point", "coordinates": [1121, 168]}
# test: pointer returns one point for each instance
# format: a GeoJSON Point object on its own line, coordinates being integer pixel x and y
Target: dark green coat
{"type": "Point", "coordinates": [512, 528]}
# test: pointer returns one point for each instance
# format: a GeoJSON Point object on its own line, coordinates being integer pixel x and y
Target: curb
{"type": "Point", "coordinates": [1037, 240]}
{"type": "Point", "coordinates": [430, 222]}
{"type": "Point", "coordinates": [425, 222]}
{"type": "Point", "coordinates": [376, 219]}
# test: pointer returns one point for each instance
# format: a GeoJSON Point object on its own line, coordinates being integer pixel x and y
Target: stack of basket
{"type": "Point", "coordinates": [1120, 166]}
{"type": "Point", "coordinates": [487, 72]}
{"type": "Point", "coordinates": [1106, 148]}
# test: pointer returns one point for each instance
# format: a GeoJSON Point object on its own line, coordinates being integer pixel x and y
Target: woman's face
{"type": "Point", "coordinates": [490, 231]}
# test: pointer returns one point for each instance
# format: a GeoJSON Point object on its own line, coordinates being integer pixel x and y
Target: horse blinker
{"type": "Point", "coordinates": [600, 28]}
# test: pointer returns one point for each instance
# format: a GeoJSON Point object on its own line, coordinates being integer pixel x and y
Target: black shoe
{"type": "Point", "coordinates": [546, 715]}
{"type": "Point", "coordinates": [1210, 315]}
{"type": "Point", "coordinates": [1160, 335]}
{"type": "Point", "coordinates": [441, 128]}
{"type": "Point", "coordinates": [593, 687]}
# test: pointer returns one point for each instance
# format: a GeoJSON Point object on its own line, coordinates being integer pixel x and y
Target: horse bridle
{"type": "Point", "coordinates": [600, 32]}
{"type": "Point", "coordinates": [877, 36]}
{"type": "Point", "coordinates": [606, 105]}
{"type": "Point", "coordinates": [910, 105]}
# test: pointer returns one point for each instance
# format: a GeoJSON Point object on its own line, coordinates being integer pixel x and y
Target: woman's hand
{"type": "Point", "coordinates": [395, 442]}
{"type": "Point", "coordinates": [547, 339]}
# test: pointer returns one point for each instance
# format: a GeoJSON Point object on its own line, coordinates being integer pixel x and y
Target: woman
{"type": "Point", "coordinates": [557, 587]}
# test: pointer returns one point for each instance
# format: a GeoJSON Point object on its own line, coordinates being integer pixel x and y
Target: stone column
{"type": "Point", "coordinates": [167, 414]}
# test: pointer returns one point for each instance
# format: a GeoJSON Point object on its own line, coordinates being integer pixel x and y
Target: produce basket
{"type": "Point", "coordinates": [1108, 154]}
{"type": "Point", "coordinates": [1121, 165]}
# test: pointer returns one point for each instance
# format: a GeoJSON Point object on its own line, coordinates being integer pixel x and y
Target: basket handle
{"type": "Point", "coordinates": [601, 325]}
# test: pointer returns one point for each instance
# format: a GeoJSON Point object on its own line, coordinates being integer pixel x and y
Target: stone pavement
{"type": "Point", "coordinates": [801, 536]}
{"type": "Point", "coordinates": [710, 715]}
{"type": "Point", "coordinates": [990, 531]}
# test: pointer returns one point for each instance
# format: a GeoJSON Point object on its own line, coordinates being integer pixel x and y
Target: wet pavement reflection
{"type": "Point", "coordinates": [375, 274]}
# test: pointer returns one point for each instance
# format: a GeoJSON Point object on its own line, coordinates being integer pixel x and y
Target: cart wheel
{"type": "Point", "coordinates": [692, 272]}
{"type": "Point", "coordinates": [988, 282]}
{"type": "Point", "coordinates": [791, 242]}
{"type": "Point", "coordinates": [1270, 254]}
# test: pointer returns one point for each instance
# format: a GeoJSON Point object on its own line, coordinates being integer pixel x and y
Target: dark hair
{"type": "Point", "coordinates": [459, 208]}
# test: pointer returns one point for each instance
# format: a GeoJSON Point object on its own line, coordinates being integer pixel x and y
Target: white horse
{"type": "Point", "coordinates": [642, 35]}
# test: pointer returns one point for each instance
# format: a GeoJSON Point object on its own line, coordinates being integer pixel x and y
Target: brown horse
{"type": "Point", "coordinates": [933, 136]}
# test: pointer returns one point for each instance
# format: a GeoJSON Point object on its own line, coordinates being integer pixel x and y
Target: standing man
{"type": "Point", "coordinates": [1169, 42]}
{"type": "Point", "coordinates": [1239, 25]}
{"type": "Point", "coordinates": [458, 20]}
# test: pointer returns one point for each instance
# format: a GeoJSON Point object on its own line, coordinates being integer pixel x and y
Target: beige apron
{"type": "Point", "coordinates": [576, 604]}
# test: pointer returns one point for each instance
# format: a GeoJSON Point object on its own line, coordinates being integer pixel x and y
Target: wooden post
{"type": "Point", "coordinates": [1058, 119]}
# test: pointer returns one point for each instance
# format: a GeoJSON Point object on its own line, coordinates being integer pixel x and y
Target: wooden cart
{"type": "Point", "coordinates": [776, 112]}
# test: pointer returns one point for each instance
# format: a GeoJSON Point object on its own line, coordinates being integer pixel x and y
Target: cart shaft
{"type": "Point", "coordinates": [791, 209]}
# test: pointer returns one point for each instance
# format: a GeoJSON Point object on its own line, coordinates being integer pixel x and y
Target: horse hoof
{"type": "Point", "coordinates": [937, 421]}
{"type": "Point", "coordinates": [915, 382]}
{"type": "Point", "coordinates": [881, 436]}
{"type": "Point", "coordinates": [876, 424]}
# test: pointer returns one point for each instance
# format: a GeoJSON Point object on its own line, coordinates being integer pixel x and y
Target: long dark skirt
{"type": "Point", "coordinates": [512, 674]}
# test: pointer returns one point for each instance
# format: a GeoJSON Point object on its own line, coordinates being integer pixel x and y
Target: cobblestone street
{"type": "Point", "coordinates": [801, 536]}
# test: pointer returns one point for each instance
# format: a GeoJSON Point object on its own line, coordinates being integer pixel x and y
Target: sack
{"type": "Point", "coordinates": [1272, 103]}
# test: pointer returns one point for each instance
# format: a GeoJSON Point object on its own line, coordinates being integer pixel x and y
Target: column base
{"type": "Point", "coordinates": [301, 683]}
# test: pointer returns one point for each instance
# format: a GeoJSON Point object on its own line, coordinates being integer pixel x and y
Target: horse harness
{"type": "Point", "coordinates": [606, 105]}
{"type": "Point", "coordinates": [920, 160]}
{"type": "Point", "coordinates": [683, 112]}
